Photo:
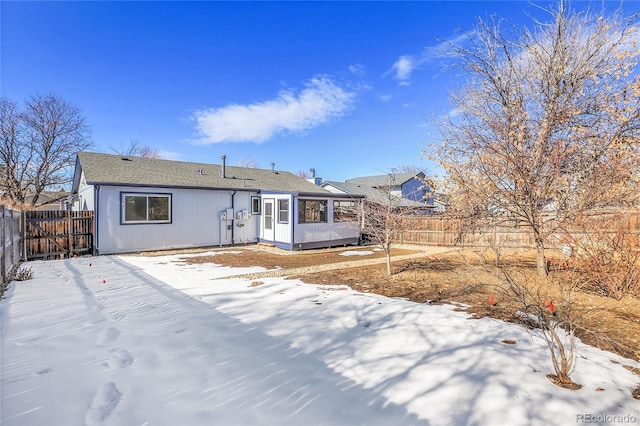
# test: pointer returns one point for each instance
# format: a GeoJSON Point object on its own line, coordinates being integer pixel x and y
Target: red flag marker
{"type": "Point", "coordinates": [552, 308]}
{"type": "Point", "coordinates": [492, 300]}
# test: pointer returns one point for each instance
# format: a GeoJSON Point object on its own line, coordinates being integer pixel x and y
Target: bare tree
{"type": "Point", "coordinates": [303, 174]}
{"type": "Point", "coordinates": [549, 120]}
{"type": "Point", "coordinates": [13, 154]}
{"type": "Point", "coordinates": [247, 161]}
{"type": "Point", "coordinates": [39, 145]}
{"type": "Point", "coordinates": [136, 150]}
{"type": "Point", "coordinates": [382, 214]}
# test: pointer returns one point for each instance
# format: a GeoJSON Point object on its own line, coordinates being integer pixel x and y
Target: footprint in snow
{"type": "Point", "coordinates": [118, 316]}
{"type": "Point", "coordinates": [105, 401]}
{"type": "Point", "coordinates": [118, 358]}
{"type": "Point", "coordinates": [108, 335]}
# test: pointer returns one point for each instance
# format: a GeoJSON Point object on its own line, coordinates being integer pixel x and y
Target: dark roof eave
{"type": "Point", "coordinates": [326, 194]}
{"type": "Point", "coordinates": [144, 185]}
{"type": "Point", "coordinates": [329, 195]}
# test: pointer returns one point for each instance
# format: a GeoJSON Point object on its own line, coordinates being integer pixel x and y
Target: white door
{"type": "Point", "coordinates": [268, 220]}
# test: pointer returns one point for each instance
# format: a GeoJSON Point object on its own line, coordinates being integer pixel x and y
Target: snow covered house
{"type": "Point", "coordinates": [150, 204]}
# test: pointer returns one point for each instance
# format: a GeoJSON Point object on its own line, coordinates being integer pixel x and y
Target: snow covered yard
{"type": "Point", "coordinates": [153, 340]}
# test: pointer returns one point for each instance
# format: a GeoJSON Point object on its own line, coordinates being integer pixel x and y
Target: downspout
{"type": "Point", "coordinates": [96, 221]}
{"type": "Point", "coordinates": [293, 221]}
{"type": "Point", "coordinates": [233, 218]}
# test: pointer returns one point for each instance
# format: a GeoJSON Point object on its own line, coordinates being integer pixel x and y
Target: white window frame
{"type": "Point", "coordinates": [281, 210]}
{"type": "Point", "coordinates": [255, 205]}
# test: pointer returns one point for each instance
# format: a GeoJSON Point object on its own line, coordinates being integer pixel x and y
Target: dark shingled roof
{"type": "Point", "coordinates": [373, 194]}
{"type": "Point", "coordinates": [383, 180]}
{"type": "Point", "coordinates": [109, 169]}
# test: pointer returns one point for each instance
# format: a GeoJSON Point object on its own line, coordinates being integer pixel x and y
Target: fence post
{"type": "Point", "coordinates": [3, 255]}
{"type": "Point", "coordinates": [23, 231]}
{"type": "Point", "coordinates": [70, 225]}
{"type": "Point", "coordinates": [16, 245]}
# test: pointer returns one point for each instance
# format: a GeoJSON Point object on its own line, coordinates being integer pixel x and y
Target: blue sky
{"type": "Point", "coordinates": [343, 87]}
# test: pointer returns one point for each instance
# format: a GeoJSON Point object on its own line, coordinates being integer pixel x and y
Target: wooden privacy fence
{"type": "Point", "coordinates": [445, 231]}
{"type": "Point", "coordinates": [52, 234]}
{"type": "Point", "coordinates": [11, 241]}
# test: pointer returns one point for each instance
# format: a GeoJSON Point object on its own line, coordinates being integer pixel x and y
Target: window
{"type": "Point", "coordinates": [283, 211]}
{"type": "Point", "coordinates": [255, 205]}
{"type": "Point", "coordinates": [312, 211]}
{"type": "Point", "coordinates": [344, 211]}
{"type": "Point", "coordinates": [268, 214]}
{"type": "Point", "coordinates": [146, 208]}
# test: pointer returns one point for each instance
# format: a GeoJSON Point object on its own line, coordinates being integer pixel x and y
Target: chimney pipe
{"type": "Point", "coordinates": [223, 169]}
{"type": "Point", "coordinates": [273, 167]}
{"type": "Point", "coordinates": [313, 172]}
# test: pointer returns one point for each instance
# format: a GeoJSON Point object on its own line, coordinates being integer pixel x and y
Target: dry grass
{"type": "Point", "coordinates": [275, 258]}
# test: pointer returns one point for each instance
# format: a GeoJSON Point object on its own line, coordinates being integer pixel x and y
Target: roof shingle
{"type": "Point", "coordinates": [138, 171]}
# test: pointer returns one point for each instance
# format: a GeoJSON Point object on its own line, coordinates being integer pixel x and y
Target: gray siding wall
{"type": "Point", "coordinates": [85, 196]}
{"type": "Point", "coordinates": [195, 221]}
{"type": "Point", "coordinates": [306, 233]}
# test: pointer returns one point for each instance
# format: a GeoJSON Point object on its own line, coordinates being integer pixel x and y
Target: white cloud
{"type": "Point", "coordinates": [403, 68]}
{"type": "Point", "coordinates": [357, 70]}
{"type": "Point", "coordinates": [320, 101]}
{"type": "Point", "coordinates": [385, 98]}
{"type": "Point", "coordinates": [170, 155]}
{"type": "Point", "coordinates": [405, 65]}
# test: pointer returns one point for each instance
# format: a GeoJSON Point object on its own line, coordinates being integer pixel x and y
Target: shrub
{"type": "Point", "coordinates": [608, 252]}
{"type": "Point", "coordinates": [23, 274]}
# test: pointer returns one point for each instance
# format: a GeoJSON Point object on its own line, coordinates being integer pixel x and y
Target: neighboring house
{"type": "Point", "coordinates": [411, 186]}
{"type": "Point", "coordinates": [407, 189]}
{"type": "Point", "coordinates": [150, 204]}
{"type": "Point", "coordinates": [440, 206]}
{"type": "Point", "coordinates": [50, 200]}
{"type": "Point", "coordinates": [371, 194]}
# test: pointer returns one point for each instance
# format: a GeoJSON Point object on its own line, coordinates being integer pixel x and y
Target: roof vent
{"type": "Point", "coordinates": [273, 167]}
{"type": "Point", "coordinates": [126, 159]}
{"type": "Point", "coordinates": [223, 169]}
